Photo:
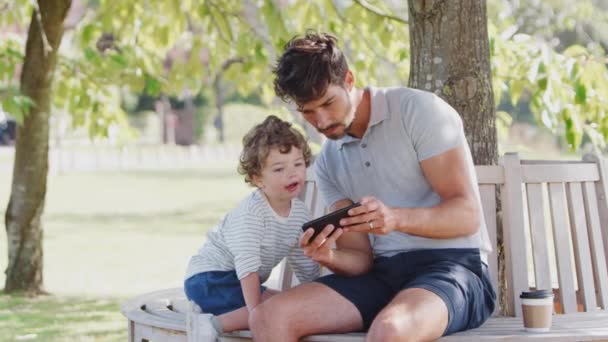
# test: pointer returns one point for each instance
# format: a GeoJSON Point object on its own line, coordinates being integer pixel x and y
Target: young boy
{"type": "Point", "coordinates": [225, 277]}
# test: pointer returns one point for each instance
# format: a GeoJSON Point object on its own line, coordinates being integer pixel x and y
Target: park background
{"type": "Point", "coordinates": [151, 98]}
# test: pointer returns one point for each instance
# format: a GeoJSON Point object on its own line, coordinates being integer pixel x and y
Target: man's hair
{"type": "Point", "coordinates": [308, 66]}
{"type": "Point", "coordinates": [257, 143]}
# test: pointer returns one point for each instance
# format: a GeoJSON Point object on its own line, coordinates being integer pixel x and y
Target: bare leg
{"type": "Point", "coordinates": [413, 315]}
{"type": "Point", "coordinates": [308, 309]}
{"type": "Point", "coordinates": [239, 318]}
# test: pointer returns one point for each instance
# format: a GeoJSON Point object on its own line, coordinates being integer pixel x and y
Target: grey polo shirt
{"type": "Point", "coordinates": [406, 126]}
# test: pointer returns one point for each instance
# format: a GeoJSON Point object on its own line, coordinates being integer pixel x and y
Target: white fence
{"type": "Point", "coordinates": [93, 158]}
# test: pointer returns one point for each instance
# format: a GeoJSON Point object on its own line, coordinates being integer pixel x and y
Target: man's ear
{"type": "Point", "coordinates": [349, 80]}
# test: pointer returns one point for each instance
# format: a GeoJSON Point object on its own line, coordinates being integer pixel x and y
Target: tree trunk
{"type": "Point", "coordinates": [26, 204]}
{"type": "Point", "coordinates": [450, 57]}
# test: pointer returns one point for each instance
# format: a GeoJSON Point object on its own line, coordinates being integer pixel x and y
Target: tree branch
{"type": "Point", "coordinates": [370, 46]}
{"type": "Point", "coordinates": [371, 8]}
{"type": "Point", "coordinates": [45, 42]}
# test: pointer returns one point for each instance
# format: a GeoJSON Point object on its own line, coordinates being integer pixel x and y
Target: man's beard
{"type": "Point", "coordinates": [347, 125]}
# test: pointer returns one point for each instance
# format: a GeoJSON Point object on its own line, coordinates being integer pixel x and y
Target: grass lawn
{"type": "Point", "coordinates": [109, 236]}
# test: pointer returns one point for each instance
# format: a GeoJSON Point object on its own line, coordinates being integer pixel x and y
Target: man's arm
{"type": "Point", "coordinates": [353, 254]}
{"type": "Point", "coordinates": [458, 214]}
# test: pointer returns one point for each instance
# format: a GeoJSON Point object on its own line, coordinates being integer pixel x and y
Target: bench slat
{"type": "Point", "coordinates": [571, 327]}
{"type": "Point", "coordinates": [601, 189]}
{"type": "Point", "coordinates": [597, 248]}
{"type": "Point", "coordinates": [490, 174]}
{"type": "Point", "coordinates": [580, 242]}
{"type": "Point", "coordinates": [515, 238]}
{"type": "Point", "coordinates": [487, 193]}
{"type": "Point", "coordinates": [561, 239]}
{"type": "Point", "coordinates": [538, 231]}
{"type": "Point", "coordinates": [541, 173]}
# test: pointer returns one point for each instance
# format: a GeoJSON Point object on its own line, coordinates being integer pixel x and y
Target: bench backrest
{"type": "Point", "coordinates": [554, 223]}
{"type": "Point", "coordinates": [555, 231]}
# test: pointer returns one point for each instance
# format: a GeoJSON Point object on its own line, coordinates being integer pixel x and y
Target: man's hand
{"type": "Point", "coordinates": [372, 216]}
{"type": "Point", "coordinates": [320, 249]}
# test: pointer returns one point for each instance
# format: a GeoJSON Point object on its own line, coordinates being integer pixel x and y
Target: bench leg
{"type": "Point", "coordinates": [131, 330]}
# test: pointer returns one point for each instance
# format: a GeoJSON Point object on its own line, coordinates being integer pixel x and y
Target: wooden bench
{"type": "Point", "coordinates": [555, 222]}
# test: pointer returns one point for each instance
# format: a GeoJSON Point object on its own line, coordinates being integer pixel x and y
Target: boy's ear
{"type": "Point", "coordinates": [257, 180]}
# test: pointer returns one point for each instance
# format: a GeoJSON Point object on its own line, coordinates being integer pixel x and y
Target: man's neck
{"type": "Point", "coordinates": [362, 113]}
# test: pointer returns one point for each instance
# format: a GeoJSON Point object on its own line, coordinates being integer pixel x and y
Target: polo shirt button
{"type": "Point", "coordinates": [364, 145]}
{"type": "Point", "coordinates": [367, 163]}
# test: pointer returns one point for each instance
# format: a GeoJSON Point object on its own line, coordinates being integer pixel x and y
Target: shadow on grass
{"type": "Point", "coordinates": [52, 318]}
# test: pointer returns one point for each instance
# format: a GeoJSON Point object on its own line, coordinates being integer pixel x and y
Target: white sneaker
{"type": "Point", "coordinates": [200, 328]}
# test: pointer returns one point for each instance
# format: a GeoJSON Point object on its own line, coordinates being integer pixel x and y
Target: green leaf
{"type": "Point", "coordinates": [18, 106]}
{"type": "Point", "coordinates": [87, 34]}
{"type": "Point", "coordinates": [386, 37]}
{"type": "Point", "coordinates": [575, 72]}
{"type": "Point", "coordinates": [260, 52]}
{"type": "Point", "coordinates": [516, 88]}
{"type": "Point", "coordinates": [9, 106]}
{"type": "Point", "coordinates": [119, 60]}
{"type": "Point", "coordinates": [91, 55]}
{"type": "Point", "coordinates": [542, 83]}
{"type": "Point", "coordinates": [581, 94]}
{"type": "Point", "coordinates": [152, 87]}
{"type": "Point", "coordinates": [575, 51]}
{"type": "Point", "coordinates": [403, 53]}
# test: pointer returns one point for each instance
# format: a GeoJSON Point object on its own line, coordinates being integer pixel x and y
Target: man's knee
{"type": "Point", "coordinates": [392, 328]}
{"type": "Point", "coordinates": [266, 316]}
{"type": "Point", "coordinates": [258, 318]}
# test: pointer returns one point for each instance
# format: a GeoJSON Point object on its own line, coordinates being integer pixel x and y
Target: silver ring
{"type": "Point", "coordinates": [371, 225]}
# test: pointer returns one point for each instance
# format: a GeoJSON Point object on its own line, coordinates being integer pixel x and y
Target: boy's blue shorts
{"type": "Point", "coordinates": [216, 292]}
{"type": "Point", "coordinates": [456, 275]}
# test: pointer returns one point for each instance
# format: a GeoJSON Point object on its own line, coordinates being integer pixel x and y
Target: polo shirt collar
{"type": "Point", "coordinates": [379, 112]}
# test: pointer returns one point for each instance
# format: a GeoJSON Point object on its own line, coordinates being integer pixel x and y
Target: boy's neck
{"type": "Point", "coordinates": [281, 208]}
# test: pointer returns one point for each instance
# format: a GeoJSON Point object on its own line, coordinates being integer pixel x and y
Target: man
{"type": "Point", "coordinates": [410, 263]}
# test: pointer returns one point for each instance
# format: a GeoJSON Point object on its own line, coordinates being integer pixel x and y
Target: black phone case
{"type": "Point", "coordinates": [332, 218]}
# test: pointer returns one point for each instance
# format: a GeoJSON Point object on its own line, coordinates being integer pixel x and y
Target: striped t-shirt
{"type": "Point", "coordinates": [253, 238]}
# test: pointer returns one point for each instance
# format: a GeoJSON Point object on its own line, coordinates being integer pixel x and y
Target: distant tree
{"type": "Point", "coordinates": [26, 204]}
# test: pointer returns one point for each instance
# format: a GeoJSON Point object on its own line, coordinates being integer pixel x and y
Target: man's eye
{"type": "Point", "coordinates": [298, 164]}
{"type": "Point", "coordinates": [278, 170]}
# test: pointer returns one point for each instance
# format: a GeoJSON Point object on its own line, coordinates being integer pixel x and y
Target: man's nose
{"type": "Point", "coordinates": [323, 120]}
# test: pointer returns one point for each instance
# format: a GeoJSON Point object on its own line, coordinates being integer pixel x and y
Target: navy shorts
{"type": "Point", "coordinates": [456, 275]}
{"type": "Point", "coordinates": [216, 292]}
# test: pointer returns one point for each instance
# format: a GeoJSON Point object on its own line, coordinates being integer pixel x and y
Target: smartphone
{"type": "Point", "coordinates": [333, 218]}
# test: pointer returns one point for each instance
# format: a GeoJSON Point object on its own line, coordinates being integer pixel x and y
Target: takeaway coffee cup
{"type": "Point", "coordinates": [537, 307]}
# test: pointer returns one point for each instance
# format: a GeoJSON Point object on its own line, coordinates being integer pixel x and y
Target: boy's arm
{"type": "Point", "coordinates": [251, 290]}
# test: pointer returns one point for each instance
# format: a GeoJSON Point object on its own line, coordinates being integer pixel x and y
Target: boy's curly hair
{"type": "Point", "coordinates": [257, 143]}
{"type": "Point", "coordinates": [308, 66]}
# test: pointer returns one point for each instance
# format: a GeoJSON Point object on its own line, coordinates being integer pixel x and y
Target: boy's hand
{"type": "Point", "coordinates": [320, 249]}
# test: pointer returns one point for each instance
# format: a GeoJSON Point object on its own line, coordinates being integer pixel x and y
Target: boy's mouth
{"type": "Point", "coordinates": [292, 186]}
